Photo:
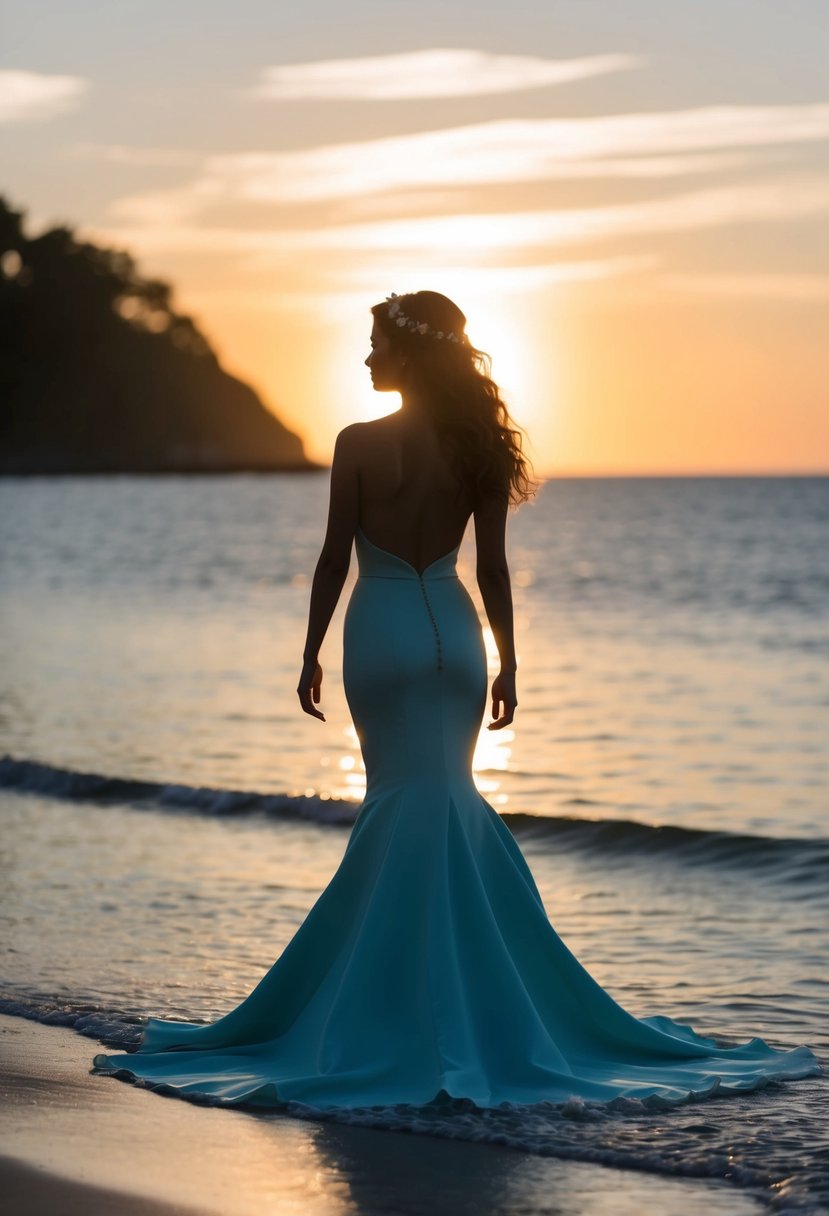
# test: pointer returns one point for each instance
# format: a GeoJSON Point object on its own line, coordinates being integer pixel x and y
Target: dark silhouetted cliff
{"type": "Point", "coordinates": [99, 374]}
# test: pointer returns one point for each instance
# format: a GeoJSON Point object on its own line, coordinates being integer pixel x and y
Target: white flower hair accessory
{"type": "Point", "coordinates": [397, 315]}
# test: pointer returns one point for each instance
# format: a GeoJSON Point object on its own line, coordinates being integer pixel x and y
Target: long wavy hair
{"type": "Point", "coordinates": [454, 382]}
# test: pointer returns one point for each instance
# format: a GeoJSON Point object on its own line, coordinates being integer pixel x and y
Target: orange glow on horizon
{"type": "Point", "coordinates": [602, 386]}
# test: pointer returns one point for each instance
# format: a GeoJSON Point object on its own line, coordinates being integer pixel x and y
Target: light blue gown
{"type": "Point", "coordinates": [428, 966]}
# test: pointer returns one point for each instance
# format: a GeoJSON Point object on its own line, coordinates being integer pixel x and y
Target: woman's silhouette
{"type": "Point", "coordinates": [411, 480]}
{"type": "Point", "coordinates": [428, 967]}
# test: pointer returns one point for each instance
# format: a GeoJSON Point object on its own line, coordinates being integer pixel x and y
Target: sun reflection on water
{"type": "Point", "coordinates": [352, 782]}
{"type": "Point", "coordinates": [491, 757]}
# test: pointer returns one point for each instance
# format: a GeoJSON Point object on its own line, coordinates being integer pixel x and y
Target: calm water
{"type": "Point", "coordinates": [170, 815]}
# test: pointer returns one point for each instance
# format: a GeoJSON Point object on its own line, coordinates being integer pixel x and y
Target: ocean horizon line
{"type": "Point", "coordinates": [551, 475]}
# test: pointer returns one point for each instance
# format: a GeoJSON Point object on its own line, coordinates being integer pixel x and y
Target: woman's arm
{"type": "Point", "coordinates": [496, 591]}
{"type": "Point", "coordinates": [332, 566]}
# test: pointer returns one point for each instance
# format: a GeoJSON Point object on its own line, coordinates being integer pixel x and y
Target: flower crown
{"type": "Point", "coordinates": [416, 327]}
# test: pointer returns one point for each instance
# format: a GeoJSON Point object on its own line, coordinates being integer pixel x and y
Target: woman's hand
{"type": "Point", "coordinates": [309, 687]}
{"type": "Point", "coordinates": [503, 693]}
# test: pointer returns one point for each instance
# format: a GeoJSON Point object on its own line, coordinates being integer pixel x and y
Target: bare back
{"type": "Point", "coordinates": [411, 502]}
{"type": "Point", "coordinates": [393, 479]}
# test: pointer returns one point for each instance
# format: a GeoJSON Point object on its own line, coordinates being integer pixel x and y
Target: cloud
{"type": "Point", "coordinates": [572, 226]}
{"type": "Point", "coordinates": [454, 230]}
{"type": "Point", "coordinates": [33, 97]}
{"type": "Point", "coordinates": [335, 287]}
{"type": "Point", "coordinates": [467, 238]}
{"type": "Point", "coordinates": [470, 234]}
{"type": "Point", "coordinates": [417, 75]}
{"type": "Point", "coordinates": [658, 144]}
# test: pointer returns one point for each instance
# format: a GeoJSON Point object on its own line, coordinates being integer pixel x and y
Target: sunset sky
{"type": "Point", "coordinates": [629, 200]}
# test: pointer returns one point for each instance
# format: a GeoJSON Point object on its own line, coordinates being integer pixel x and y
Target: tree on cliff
{"type": "Point", "coordinates": [99, 373]}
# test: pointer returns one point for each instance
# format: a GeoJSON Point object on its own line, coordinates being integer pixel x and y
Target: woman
{"type": "Point", "coordinates": [412, 479]}
{"type": "Point", "coordinates": [428, 967]}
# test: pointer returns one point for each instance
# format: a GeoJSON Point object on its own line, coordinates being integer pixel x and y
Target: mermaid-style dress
{"type": "Point", "coordinates": [428, 967]}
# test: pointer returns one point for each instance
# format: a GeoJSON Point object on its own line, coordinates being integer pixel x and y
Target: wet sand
{"type": "Point", "coordinates": [79, 1143]}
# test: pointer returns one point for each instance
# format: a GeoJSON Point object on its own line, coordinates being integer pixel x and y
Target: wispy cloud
{"type": "Point", "coordinates": [465, 235]}
{"type": "Point", "coordinates": [447, 167]}
{"type": "Point", "coordinates": [350, 285]}
{"type": "Point", "coordinates": [34, 97]}
{"type": "Point", "coordinates": [665, 144]}
{"type": "Point", "coordinates": [500, 235]}
{"type": "Point", "coordinates": [418, 75]}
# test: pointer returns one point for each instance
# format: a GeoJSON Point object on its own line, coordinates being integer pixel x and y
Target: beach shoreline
{"type": "Point", "coordinates": [78, 1142]}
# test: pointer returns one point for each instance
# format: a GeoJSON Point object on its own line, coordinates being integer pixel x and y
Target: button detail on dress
{"type": "Point", "coordinates": [434, 623]}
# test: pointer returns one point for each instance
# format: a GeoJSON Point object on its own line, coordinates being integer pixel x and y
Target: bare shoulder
{"type": "Point", "coordinates": [363, 437]}
{"type": "Point", "coordinates": [348, 446]}
{"type": "Point", "coordinates": [350, 435]}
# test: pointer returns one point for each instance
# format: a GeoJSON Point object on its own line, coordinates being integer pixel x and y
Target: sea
{"type": "Point", "coordinates": [169, 814]}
